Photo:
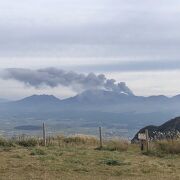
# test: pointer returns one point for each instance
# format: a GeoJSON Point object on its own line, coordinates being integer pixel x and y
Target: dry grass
{"type": "Point", "coordinates": [117, 145]}
{"type": "Point", "coordinates": [81, 139]}
{"type": "Point", "coordinates": [78, 159]}
{"type": "Point", "coordinates": [6, 143]}
{"type": "Point", "coordinates": [78, 162]}
{"type": "Point", "coordinates": [168, 146]}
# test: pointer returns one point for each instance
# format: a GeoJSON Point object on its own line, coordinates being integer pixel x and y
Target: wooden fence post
{"type": "Point", "coordinates": [44, 134]}
{"type": "Point", "coordinates": [147, 139]}
{"type": "Point", "coordinates": [100, 137]}
{"type": "Point", "coordinates": [142, 145]}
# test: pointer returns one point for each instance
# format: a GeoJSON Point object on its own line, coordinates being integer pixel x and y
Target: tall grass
{"type": "Point", "coordinates": [62, 141]}
{"type": "Point", "coordinates": [51, 141]}
{"type": "Point", "coordinates": [156, 146]}
{"type": "Point", "coordinates": [29, 142]}
{"type": "Point", "coordinates": [168, 146]}
{"type": "Point", "coordinates": [6, 143]}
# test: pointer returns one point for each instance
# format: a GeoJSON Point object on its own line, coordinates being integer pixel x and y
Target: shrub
{"type": "Point", "coordinates": [28, 142]}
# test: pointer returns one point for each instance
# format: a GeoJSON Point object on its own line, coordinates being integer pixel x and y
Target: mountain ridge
{"type": "Point", "coordinates": [43, 98]}
{"type": "Point", "coordinates": [99, 94]}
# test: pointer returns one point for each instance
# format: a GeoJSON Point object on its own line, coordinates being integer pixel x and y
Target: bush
{"type": "Point", "coordinates": [117, 145]}
{"type": "Point", "coordinates": [28, 142]}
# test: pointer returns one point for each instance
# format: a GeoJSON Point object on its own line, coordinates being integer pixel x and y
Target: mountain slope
{"type": "Point", "coordinates": [99, 96]}
{"type": "Point", "coordinates": [38, 99]}
{"type": "Point", "coordinates": [172, 126]}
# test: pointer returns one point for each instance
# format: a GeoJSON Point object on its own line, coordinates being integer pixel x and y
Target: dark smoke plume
{"type": "Point", "coordinates": [53, 77]}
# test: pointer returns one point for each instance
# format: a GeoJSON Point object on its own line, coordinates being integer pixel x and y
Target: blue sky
{"type": "Point", "coordinates": [135, 41]}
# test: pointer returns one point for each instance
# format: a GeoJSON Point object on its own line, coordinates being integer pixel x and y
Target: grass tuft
{"type": "Point", "coordinates": [111, 162]}
{"type": "Point", "coordinates": [37, 151]}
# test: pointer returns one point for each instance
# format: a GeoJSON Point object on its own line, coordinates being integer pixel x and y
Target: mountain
{"type": "Point", "coordinates": [38, 99]}
{"type": "Point", "coordinates": [169, 128]}
{"type": "Point", "coordinates": [99, 100]}
{"type": "Point", "coordinates": [111, 97]}
{"type": "Point", "coordinates": [99, 97]}
{"type": "Point", "coordinates": [176, 98]}
{"type": "Point", "coordinates": [115, 111]}
{"type": "Point", "coordinates": [31, 104]}
{"type": "Point", "coordinates": [103, 97]}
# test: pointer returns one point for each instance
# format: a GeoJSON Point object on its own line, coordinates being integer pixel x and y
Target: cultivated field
{"type": "Point", "coordinates": [77, 158]}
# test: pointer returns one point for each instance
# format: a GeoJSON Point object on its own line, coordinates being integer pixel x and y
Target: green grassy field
{"type": "Point", "coordinates": [73, 161]}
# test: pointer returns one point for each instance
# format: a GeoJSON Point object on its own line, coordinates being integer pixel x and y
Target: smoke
{"type": "Point", "coordinates": [53, 77]}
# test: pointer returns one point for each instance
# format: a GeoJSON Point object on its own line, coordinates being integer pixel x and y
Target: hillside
{"type": "Point", "coordinates": [171, 126]}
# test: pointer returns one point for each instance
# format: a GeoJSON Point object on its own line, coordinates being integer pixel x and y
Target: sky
{"type": "Point", "coordinates": [132, 41]}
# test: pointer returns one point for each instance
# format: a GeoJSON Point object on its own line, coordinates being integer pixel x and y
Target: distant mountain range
{"type": "Point", "coordinates": [168, 129]}
{"type": "Point", "coordinates": [96, 97]}
{"type": "Point", "coordinates": [92, 108]}
{"type": "Point", "coordinates": [97, 100]}
{"type": "Point", "coordinates": [107, 101]}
